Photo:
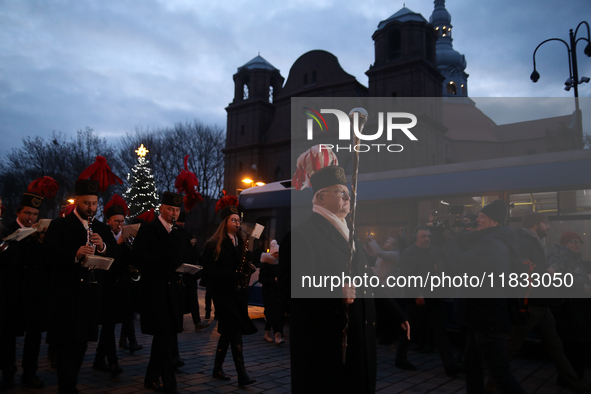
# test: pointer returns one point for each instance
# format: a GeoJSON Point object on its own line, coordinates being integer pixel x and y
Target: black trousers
{"type": "Point", "coordinates": [106, 345]}
{"type": "Point", "coordinates": [31, 347]}
{"type": "Point", "coordinates": [69, 361]}
{"type": "Point", "coordinates": [160, 365]}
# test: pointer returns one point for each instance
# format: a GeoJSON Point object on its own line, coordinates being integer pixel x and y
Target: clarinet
{"type": "Point", "coordinates": [91, 279]}
{"type": "Point", "coordinates": [245, 269]}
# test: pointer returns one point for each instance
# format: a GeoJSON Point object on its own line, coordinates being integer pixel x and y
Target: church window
{"type": "Point", "coordinates": [305, 79]}
{"type": "Point", "coordinates": [452, 89]}
{"type": "Point", "coordinates": [394, 45]}
{"type": "Point", "coordinates": [270, 94]}
{"type": "Point", "coordinates": [313, 76]}
{"type": "Point", "coordinates": [245, 92]}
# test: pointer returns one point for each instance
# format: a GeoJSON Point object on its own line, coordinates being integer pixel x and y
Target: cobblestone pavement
{"type": "Point", "coordinates": [269, 364]}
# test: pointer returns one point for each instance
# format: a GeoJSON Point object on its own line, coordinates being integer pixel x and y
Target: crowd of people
{"type": "Point", "coordinates": [79, 274]}
{"type": "Point", "coordinates": [493, 327]}
{"type": "Point", "coordinates": [333, 338]}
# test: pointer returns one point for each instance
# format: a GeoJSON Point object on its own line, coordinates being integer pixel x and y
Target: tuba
{"type": "Point", "coordinates": [245, 268]}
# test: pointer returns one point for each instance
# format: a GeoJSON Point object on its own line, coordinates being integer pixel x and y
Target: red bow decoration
{"type": "Point", "coordinates": [45, 187]}
{"type": "Point", "coordinates": [67, 210]}
{"type": "Point", "coordinates": [117, 200]}
{"type": "Point", "coordinates": [148, 216]}
{"type": "Point", "coordinates": [187, 182]}
{"type": "Point", "coordinates": [226, 201]}
{"type": "Point", "coordinates": [315, 158]}
{"type": "Point", "coordinates": [101, 172]}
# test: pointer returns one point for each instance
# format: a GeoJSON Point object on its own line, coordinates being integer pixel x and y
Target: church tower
{"type": "Point", "coordinates": [404, 58]}
{"type": "Point", "coordinates": [449, 61]}
{"type": "Point", "coordinates": [256, 84]}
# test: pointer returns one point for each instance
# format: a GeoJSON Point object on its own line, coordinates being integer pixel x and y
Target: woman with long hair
{"type": "Point", "coordinates": [221, 257]}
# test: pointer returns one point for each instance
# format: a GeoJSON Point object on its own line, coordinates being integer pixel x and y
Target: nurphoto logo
{"type": "Point", "coordinates": [393, 124]}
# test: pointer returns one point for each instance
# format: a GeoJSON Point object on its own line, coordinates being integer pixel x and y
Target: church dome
{"type": "Point", "coordinates": [449, 57]}
{"type": "Point", "coordinates": [440, 15]}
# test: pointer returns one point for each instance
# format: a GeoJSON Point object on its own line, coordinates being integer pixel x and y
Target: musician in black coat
{"type": "Point", "coordinates": [116, 291]}
{"type": "Point", "coordinates": [320, 247]}
{"type": "Point", "coordinates": [75, 292]}
{"type": "Point", "coordinates": [222, 257]}
{"type": "Point", "coordinates": [25, 286]}
{"type": "Point", "coordinates": [159, 249]}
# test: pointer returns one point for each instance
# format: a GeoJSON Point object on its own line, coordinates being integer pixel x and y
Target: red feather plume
{"type": "Point", "coordinates": [117, 200]}
{"type": "Point", "coordinates": [148, 216]}
{"type": "Point", "coordinates": [187, 182]}
{"type": "Point", "coordinates": [45, 187]}
{"type": "Point", "coordinates": [226, 201]}
{"type": "Point", "coordinates": [67, 210]}
{"type": "Point", "coordinates": [101, 172]}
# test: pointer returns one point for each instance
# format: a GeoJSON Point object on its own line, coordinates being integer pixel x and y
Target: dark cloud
{"type": "Point", "coordinates": [114, 66]}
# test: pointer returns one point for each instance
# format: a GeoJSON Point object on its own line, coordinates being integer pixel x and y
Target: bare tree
{"type": "Point", "coordinates": [168, 147]}
{"type": "Point", "coordinates": [59, 157]}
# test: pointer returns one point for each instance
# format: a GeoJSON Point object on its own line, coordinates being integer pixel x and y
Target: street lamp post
{"type": "Point", "coordinates": [573, 79]}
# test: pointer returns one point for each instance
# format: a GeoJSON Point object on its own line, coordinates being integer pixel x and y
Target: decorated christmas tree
{"type": "Point", "coordinates": [141, 195]}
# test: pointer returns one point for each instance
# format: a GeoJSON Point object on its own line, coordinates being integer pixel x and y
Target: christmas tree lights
{"type": "Point", "coordinates": [141, 195]}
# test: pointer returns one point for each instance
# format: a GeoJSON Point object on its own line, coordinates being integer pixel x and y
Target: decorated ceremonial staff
{"type": "Point", "coordinates": [25, 288]}
{"type": "Point", "coordinates": [159, 250]}
{"type": "Point", "coordinates": [225, 258]}
{"type": "Point", "coordinates": [75, 292]}
{"type": "Point", "coordinates": [116, 300]}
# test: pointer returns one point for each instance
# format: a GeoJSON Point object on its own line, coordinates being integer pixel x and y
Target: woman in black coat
{"type": "Point", "coordinates": [221, 258]}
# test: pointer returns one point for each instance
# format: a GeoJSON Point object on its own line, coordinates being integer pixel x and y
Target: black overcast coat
{"type": "Point", "coordinates": [157, 254]}
{"type": "Point", "coordinates": [317, 323]}
{"type": "Point", "coordinates": [74, 304]}
{"type": "Point", "coordinates": [231, 306]}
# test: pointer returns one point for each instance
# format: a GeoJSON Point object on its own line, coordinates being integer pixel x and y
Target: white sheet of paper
{"type": "Point", "coordinates": [130, 230]}
{"type": "Point", "coordinates": [19, 234]}
{"type": "Point", "coordinates": [43, 224]}
{"type": "Point", "coordinates": [97, 262]}
{"type": "Point", "coordinates": [258, 230]}
{"type": "Point", "coordinates": [189, 268]}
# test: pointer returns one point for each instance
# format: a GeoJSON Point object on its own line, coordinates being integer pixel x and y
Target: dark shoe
{"type": "Point", "coordinates": [154, 386]}
{"type": "Point", "coordinates": [101, 365]}
{"type": "Point", "coordinates": [32, 382]}
{"type": "Point", "coordinates": [201, 326]}
{"type": "Point", "coordinates": [219, 374]}
{"type": "Point", "coordinates": [134, 347]}
{"type": "Point", "coordinates": [7, 383]}
{"type": "Point", "coordinates": [454, 370]}
{"type": "Point", "coordinates": [116, 370]}
{"type": "Point", "coordinates": [178, 362]}
{"type": "Point", "coordinates": [123, 344]}
{"type": "Point", "coordinates": [405, 365]}
{"type": "Point", "coordinates": [207, 315]}
{"type": "Point", "coordinates": [245, 381]}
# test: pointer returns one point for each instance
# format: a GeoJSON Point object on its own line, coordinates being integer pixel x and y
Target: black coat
{"type": "Point", "coordinates": [157, 254]}
{"type": "Point", "coordinates": [116, 301]}
{"type": "Point", "coordinates": [491, 250]}
{"type": "Point", "coordinates": [317, 323]}
{"type": "Point", "coordinates": [12, 317]}
{"type": "Point", "coordinates": [74, 303]}
{"type": "Point", "coordinates": [231, 306]}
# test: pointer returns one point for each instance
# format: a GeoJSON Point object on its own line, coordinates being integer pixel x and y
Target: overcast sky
{"type": "Point", "coordinates": [117, 65]}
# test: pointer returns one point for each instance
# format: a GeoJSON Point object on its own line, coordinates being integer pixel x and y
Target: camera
{"type": "Point", "coordinates": [453, 220]}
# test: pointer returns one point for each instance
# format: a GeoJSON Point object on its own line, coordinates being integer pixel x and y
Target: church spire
{"type": "Point", "coordinates": [450, 63]}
